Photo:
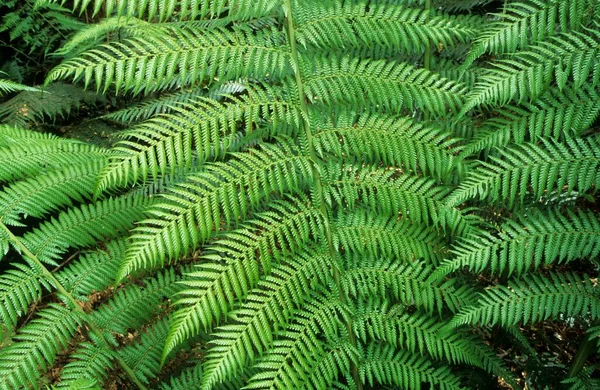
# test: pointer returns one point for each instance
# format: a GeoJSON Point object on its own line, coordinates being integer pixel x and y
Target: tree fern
{"type": "Point", "coordinates": [307, 194]}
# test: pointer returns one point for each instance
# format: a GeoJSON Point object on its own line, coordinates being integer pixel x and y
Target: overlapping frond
{"type": "Point", "coordinates": [136, 305]}
{"type": "Point", "coordinates": [22, 160]}
{"type": "Point", "coordinates": [191, 212]}
{"type": "Point", "coordinates": [180, 57]}
{"type": "Point", "coordinates": [555, 114]}
{"type": "Point", "coordinates": [285, 363]}
{"type": "Point", "coordinates": [239, 343]}
{"type": "Point", "coordinates": [377, 83]}
{"type": "Point", "coordinates": [19, 287]}
{"type": "Point", "coordinates": [533, 299]}
{"type": "Point", "coordinates": [525, 22]}
{"type": "Point", "coordinates": [196, 131]}
{"type": "Point", "coordinates": [333, 24]}
{"type": "Point", "coordinates": [392, 140]}
{"type": "Point", "coordinates": [390, 192]}
{"type": "Point", "coordinates": [84, 225]}
{"type": "Point", "coordinates": [527, 74]}
{"type": "Point", "coordinates": [232, 265]}
{"type": "Point", "coordinates": [534, 171]}
{"type": "Point", "coordinates": [89, 361]}
{"type": "Point", "coordinates": [422, 334]}
{"type": "Point", "coordinates": [525, 243]}
{"type": "Point", "coordinates": [143, 356]}
{"type": "Point", "coordinates": [7, 86]}
{"type": "Point", "coordinates": [41, 194]}
{"type": "Point", "coordinates": [36, 346]}
{"type": "Point", "coordinates": [384, 365]}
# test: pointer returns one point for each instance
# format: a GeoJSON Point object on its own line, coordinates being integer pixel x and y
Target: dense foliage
{"type": "Point", "coordinates": [320, 194]}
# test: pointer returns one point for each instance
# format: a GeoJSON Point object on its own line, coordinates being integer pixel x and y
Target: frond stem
{"type": "Point", "coordinates": [63, 291]}
{"type": "Point", "coordinates": [317, 175]}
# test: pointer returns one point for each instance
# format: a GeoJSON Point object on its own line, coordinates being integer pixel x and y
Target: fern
{"type": "Point", "coordinates": [306, 194]}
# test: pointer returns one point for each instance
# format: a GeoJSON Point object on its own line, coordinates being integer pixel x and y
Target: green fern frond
{"type": "Point", "coordinates": [93, 271]}
{"type": "Point", "coordinates": [407, 283]}
{"type": "Point", "coordinates": [371, 235]}
{"type": "Point", "coordinates": [530, 170]}
{"type": "Point", "coordinates": [528, 74]}
{"type": "Point", "coordinates": [182, 57]}
{"type": "Point", "coordinates": [199, 129]}
{"type": "Point", "coordinates": [382, 364]}
{"type": "Point", "coordinates": [194, 210]}
{"type": "Point", "coordinates": [526, 243]}
{"type": "Point", "coordinates": [334, 24]}
{"type": "Point", "coordinates": [422, 334]}
{"type": "Point", "coordinates": [531, 300]}
{"type": "Point", "coordinates": [378, 138]}
{"type": "Point", "coordinates": [40, 194]}
{"type": "Point", "coordinates": [7, 86]}
{"type": "Point", "coordinates": [378, 83]}
{"type": "Point", "coordinates": [583, 380]}
{"type": "Point", "coordinates": [83, 226]}
{"type": "Point", "coordinates": [274, 300]}
{"type": "Point", "coordinates": [19, 287]}
{"type": "Point", "coordinates": [525, 22]}
{"type": "Point", "coordinates": [10, 135]}
{"type": "Point", "coordinates": [188, 380]}
{"type": "Point", "coordinates": [284, 364]}
{"type": "Point", "coordinates": [416, 199]}
{"type": "Point", "coordinates": [91, 361]}
{"type": "Point", "coordinates": [555, 114]}
{"type": "Point", "coordinates": [24, 159]}
{"type": "Point", "coordinates": [188, 9]}
{"type": "Point", "coordinates": [144, 355]}
{"type": "Point", "coordinates": [136, 305]}
{"type": "Point", "coordinates": [36, 346]}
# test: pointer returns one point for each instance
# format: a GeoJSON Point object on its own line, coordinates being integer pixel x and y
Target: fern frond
{"type": "Point", "coordinates": [10, 135]}
{"type": "Point", "coordinates": [382, 364]}
{"type": "Point", "coordinates": [413, 198]}
{"type": "Point", "coordinates": [199, 129]}
{"type": "Point", "coordinates": [91, 361]}
{"type": "Point", "coordinates": [19, 287]}
{"type": "Point", "coordinates": [187, 9]}
{"type": "Point", "coordinates": [555, 114]}
{"type": "Point", "coordinates": [526, 243]}
{"type": "Point", "coordinates": [188, 380]}
{"type": "Point", "coordinates": [284, 364]}
{"type": "Point", "coordinates": [533, 299]}
{"type": "Point", "coordinates": [232, 262]}
{"type": "Point", "coordinates": [422, 334]}
{"type": "Point", "coordinates": [7, 86]}
{"type": "Point", "coordinates": [273, 301]}
{"type": "Point", "coordinates": [144, 355]}
{"type": "Point", "coordinates": [335, 24]}
{"type": "Point", "coordinates": [389, 139]}
{"type": "Point", "coordinates": [93, 271]}
{"type": "Point", "coordinates": [583, 380]}
{"type": "Point", "coordinates": [407, 283]}
{"type": "Point", "coordinates": [183, 57]}
{"type": "Point", "coordinates": [378, 83]}
{"type": "Point", "coordinates": [529, 170]}
{"type": "Point", "coordinates": [136, 305]}
{"type": "Point", "coordinates": [83, 226]}
{"type": "Point", "coordinates": [40, 194]}
{"type": "Point", "coordinates": [525, 22]}
{"type": "Point", "coordinates": [21, 160]}
{"type": "Point", "coordinates": [36, 346]}
{"type": "Point", "coordinates": [192, 211]}
{"type": "Point", "coordinates": [371, 235]}
{"type": "Point", "coordinates": [528, 74]}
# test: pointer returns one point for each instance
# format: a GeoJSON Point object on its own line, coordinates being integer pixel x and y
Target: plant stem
{"type": "Point", "coordinates": [427, 58]}
{"type": "Point", "coordinates": [63, 291]}
{"type": "Point", "coordinates": [318, 179]}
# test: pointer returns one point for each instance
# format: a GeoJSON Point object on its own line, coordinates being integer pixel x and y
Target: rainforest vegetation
{"type": "Point", "coordinates": [287, 194]}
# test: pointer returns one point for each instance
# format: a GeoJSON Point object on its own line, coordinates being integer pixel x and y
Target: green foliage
{"type": "Point", "coordinates": [307, 194]}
